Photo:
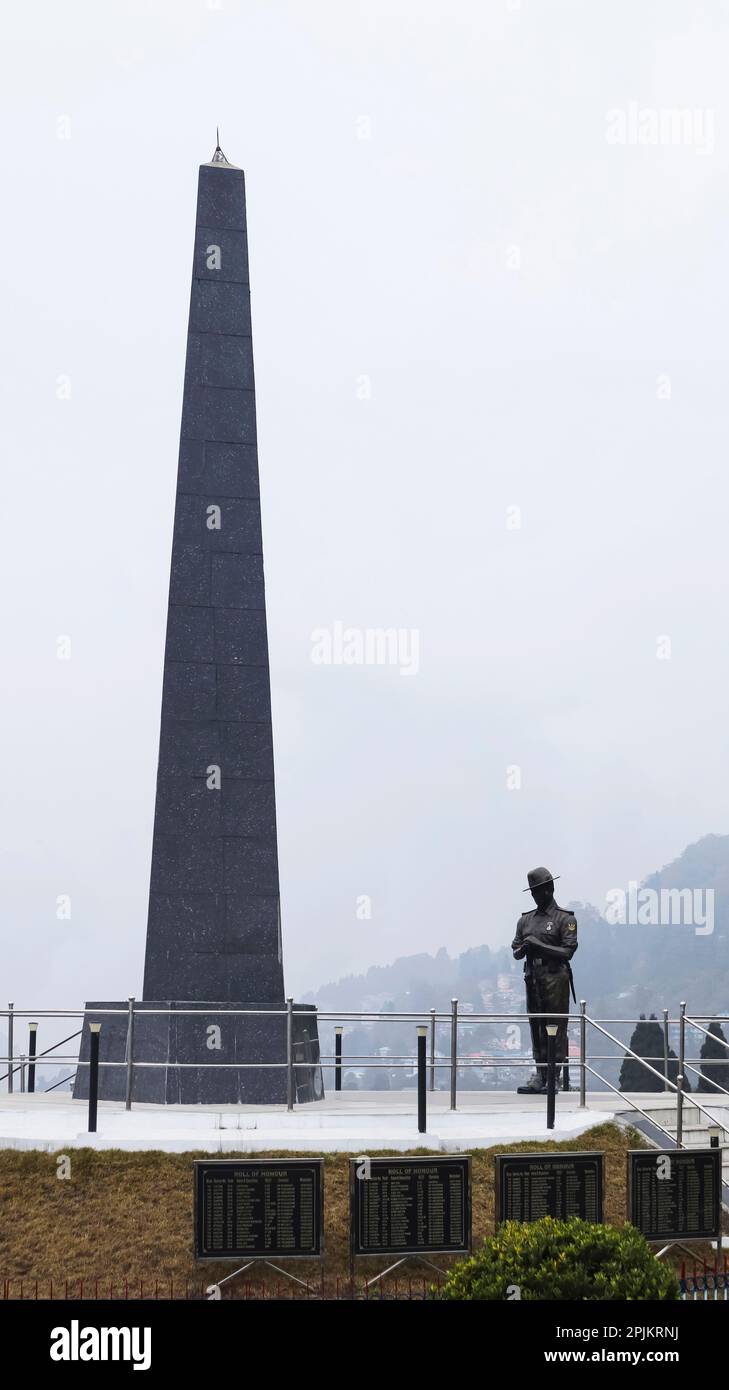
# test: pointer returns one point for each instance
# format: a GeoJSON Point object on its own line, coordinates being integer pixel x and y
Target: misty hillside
{"type": "Point", "coordinates": [620, 969]}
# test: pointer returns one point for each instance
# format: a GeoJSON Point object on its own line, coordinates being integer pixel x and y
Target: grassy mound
{"type": "Point", "coordinates": [127, 1216]}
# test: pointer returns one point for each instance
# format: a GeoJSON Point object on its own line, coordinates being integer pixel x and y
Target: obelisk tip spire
{"type": "Point", "coordinates": [218, 157]}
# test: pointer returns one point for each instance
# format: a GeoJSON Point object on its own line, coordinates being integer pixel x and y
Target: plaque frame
{"type": "Point", "coordinates": [679, 1238]}
{"type": "Point", "coordinates": [404, 1255]}
{"type": "Point", "coordinates": [254, 1259]}
{"type": "Point", "coordinates": [500, 1159]}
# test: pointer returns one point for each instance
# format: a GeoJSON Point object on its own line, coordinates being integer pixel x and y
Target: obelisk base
{"type": "Point", "coordinates": [194, 1036]}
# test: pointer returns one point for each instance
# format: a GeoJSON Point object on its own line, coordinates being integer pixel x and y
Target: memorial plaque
{"type": "Point", "coordinates": [529, 1186]}
{"type": "Point", "coordinates": [410, 1206]}
{"type": "Point", "coordinates": [675, 1194]}
{"type": "Point", "coordinates": [258, 1210]}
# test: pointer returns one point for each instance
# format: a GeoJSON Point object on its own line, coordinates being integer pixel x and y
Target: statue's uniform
{"type": "Point", "coordinates": [547, 975]}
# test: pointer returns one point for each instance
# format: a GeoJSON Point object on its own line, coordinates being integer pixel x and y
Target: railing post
{"type": "Point", "coordinates": [32, 1049]}
{"type": "Point", "coordinates": [583, 1053]}
{"type": "Point", "coordinates": [454, 1052]}
{"type": "Point", "coordinates": [11, 1006]}
{"type": "Point", "coordinates": [290, 1053]}
{"type": "Point", "coordinates": [432, 1049]}
{"type": "Point", "coordinates": [666, 1086]}
{"type": "Point", "coordinates": [22, 1073]}
{"type": "Point", "coordinates": [422, 1101]}
{"type": "Point", "coordinates": [94, 1031]}
{"type": "Point", "coordinates": [681, 1071]}
{"type": "Point", "coordinates": [338, 1059]}
{"type": "Point", "coordinates": [130, 1054]}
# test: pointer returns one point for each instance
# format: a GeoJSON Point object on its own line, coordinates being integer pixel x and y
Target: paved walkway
{"type": "Point", "coordinates": [350, 1122]}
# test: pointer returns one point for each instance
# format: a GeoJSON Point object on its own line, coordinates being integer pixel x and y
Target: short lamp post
{"type": "Point", "coordinates": [94, 1030]}
{"type": "Point", "coordinates": [32, 1045]}
{"type": "Point", "coordinates": [338, 1058]}
{"type": "Point", "coordinates": [422, 1093]}
{"type": "Point", "coordinates": [551, 1073]}
{"type": "Point", "coordinates": [715, 1133]}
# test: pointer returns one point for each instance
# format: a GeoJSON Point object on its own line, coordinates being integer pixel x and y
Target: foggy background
{"type": "Point", "coordinates": [467, 297]}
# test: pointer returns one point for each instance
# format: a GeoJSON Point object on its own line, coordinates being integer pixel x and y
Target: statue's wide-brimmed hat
{"type": "Point", "coordinates": [538, 878]}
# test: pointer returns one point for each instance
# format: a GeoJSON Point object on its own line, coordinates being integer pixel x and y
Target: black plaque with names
{"type": "Point", "coordinates": [675, 1194]}
{"type": "Point", "coordinates": [410, 1206]}
{"type": "Point", "coordinates": [259, 1209]}
{"type": "Point", "coordinates": [529, 1186]}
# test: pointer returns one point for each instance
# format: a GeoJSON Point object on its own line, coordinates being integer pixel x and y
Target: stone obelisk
{"type": "Point", "coordinates": [214, 929]}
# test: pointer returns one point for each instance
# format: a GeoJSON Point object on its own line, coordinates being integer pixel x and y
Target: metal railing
{"type": "Point", "coordinates": [707, 1284]}
{"type": "Point", "coordinates": [454, 1064]}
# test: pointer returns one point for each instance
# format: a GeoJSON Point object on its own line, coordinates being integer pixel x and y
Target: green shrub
{"type": "Point", "coordinates": [551, 1259]}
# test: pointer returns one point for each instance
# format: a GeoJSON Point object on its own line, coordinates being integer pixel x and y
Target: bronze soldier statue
{"type": "Point", "coordinates": [547, 938]}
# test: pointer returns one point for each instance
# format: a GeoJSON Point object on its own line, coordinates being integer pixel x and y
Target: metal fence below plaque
{"type": "Point", "coordinates": [529, 1186]}
{"type": "Point", "coordinates": [269, 1209]}
{"type": "Point", "coordinates": [410, 1206]}
{"type": "Point", "coordinates": [675, 1194]}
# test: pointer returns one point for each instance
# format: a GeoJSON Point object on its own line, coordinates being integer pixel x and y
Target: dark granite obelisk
{"type": "Point", "coordinates": [213, 931]}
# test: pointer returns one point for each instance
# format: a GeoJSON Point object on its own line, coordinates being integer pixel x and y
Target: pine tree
{"type": "Point", "coordinates": [647, 1041]}
{"type": "Point", "coordinates": [712, 1051]}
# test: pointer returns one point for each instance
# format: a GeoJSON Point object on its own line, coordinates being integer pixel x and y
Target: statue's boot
{"type": "Point", "coordinates": [535, 1086]}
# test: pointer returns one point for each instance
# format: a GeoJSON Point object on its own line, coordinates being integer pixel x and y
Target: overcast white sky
{"type": "Point", "coordinates": [543, 317]}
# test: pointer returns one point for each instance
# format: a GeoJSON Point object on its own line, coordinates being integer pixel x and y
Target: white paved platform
{"type": "Point", "coordinates": [351, 1122]}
